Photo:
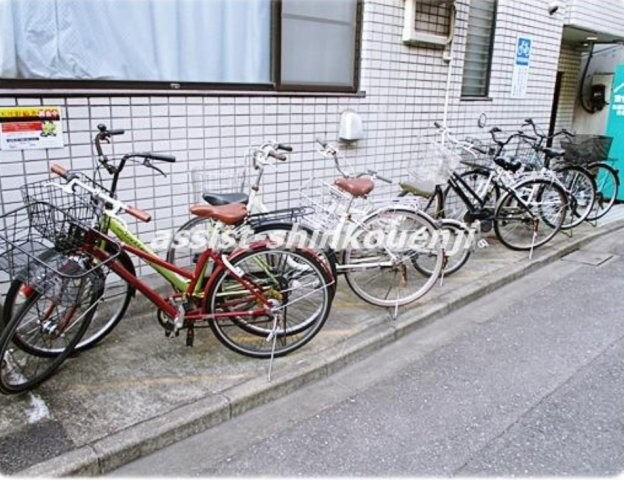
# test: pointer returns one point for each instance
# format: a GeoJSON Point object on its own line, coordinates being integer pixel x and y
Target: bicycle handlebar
{"type": "Point", "coordinates": [137, 213]}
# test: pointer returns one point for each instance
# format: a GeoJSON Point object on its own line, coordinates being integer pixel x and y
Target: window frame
{"type": "Point", "coordinates": [488, 79]}
{"type": "Point", "coordinates": [183, 88]}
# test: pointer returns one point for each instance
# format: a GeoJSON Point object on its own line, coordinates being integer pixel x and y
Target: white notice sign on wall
{"type": "Point", "coordinates": [522, 64]}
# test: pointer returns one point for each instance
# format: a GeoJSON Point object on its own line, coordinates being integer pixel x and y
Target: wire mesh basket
{"type": "Point", "coordinates": [523, 150]}
{"type": "Point", "coordinates": [584, 149]}
{"type": "Point", "coordinates": [435, 162]}
{"type": "Point", "coordinates": [326, 204]}
{"type": "Point", "coordinates": [47, 249]}
{"type": "Point", "coordinates": [60, 213]}
{"type": "Point", "coordinates": [477, 153]}
{"type": "Point", "coordinates": [219, 181]}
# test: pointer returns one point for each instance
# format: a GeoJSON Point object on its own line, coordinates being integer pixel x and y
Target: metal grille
{"type": "Point", "coordinates": [433, 16]}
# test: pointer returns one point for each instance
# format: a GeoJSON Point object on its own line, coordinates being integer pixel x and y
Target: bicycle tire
{"type": "Point", "coordinates": [608, 172]}
{"type": "Point", "coordinates": [579, 183]}
{"type": "Point", "coordinates": [508, 213]}
{"type": "Point", "coordinates": [357, 282]}
{"type": "Point", "coordinates": [96, 331]}
{"type": "Point", "coordinates": [454, 262]}
{"type": "Point", "coordinates": [248, 335]}
{"type": "Point", "coordinates": [13, 377]}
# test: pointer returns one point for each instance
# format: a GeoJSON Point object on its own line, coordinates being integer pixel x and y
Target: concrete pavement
{"type": "Point", "coordinates": [139, 391]}
{"type": "Point", "coordinates": [528, 380]}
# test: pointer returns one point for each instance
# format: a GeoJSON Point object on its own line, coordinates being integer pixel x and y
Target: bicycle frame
{"type": "Point", "coordinates": [185, 283]}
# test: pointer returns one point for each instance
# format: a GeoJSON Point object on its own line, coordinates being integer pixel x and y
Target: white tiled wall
{"type": "Point", "coordinates": [405, 92]}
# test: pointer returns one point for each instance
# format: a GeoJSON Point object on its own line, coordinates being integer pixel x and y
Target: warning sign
{"type": "Point", "coordinates": [28, 128]}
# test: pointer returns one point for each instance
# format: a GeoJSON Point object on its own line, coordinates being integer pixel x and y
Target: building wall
{"type": "Point", "coordinates": [596, 15]}
{"type": "Point", "coordinates": [570, 65]}
{"type": "Point", "coordinates": [405, 92]}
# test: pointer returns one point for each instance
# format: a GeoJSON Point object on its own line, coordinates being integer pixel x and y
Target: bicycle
{"type": "Point", "coordinates": [577, 180]}
{"type": "Point", "coordinates": [251, 300]}
{"type": "Point", "coordinates": [592, 152]}
{"type": "Point", "coordinates": [227, 187]}
{"type": "Point", "coordinates": [529, 212]}
{"type": "Point", "coordinates": [378, 274]}
{"type": "Point", "coordinates": [310, 229]}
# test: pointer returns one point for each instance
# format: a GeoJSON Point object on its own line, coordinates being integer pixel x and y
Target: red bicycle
{"type": "Point", "coordinates": [261, 300]}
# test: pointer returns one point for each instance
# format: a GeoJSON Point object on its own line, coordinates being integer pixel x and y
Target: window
{"type": "Point", "coordinates": [265, 44]}
{"type": "Point", "coordinates": [318, 43]}
{"type": "Point", "coordinates": [479, 43]}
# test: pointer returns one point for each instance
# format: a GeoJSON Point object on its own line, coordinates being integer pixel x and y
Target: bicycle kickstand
{"type": "Point", "coordinates": [272, 337]}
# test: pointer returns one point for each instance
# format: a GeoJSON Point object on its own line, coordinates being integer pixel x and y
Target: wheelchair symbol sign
{"type": "Point", "coordinates": [523, 51]}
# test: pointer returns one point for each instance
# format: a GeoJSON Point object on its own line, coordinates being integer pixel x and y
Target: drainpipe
{"type": "Point", "coordinates": [447, 56]}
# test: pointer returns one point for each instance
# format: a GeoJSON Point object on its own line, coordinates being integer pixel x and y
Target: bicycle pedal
{"type": "Point", "coordinates": [190, 336]}
{"type": "Point", "coordinates": [483, 243]}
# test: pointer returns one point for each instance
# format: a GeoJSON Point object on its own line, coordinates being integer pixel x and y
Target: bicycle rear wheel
{"type": "Point", "coordinates": [383, 274]}
{"type": "Point", "coordinates": [457, 244]}
{"type": "Point", "coordinates": [607, 187]}
{"type": "Point", "coordinates": [530, 214]}
{"type": "Point", "coordinates": [44, 325]}
{"type": "Point", "coordinates": [582, 187]}
{"type": "Point", "coordinates": [295, 281]}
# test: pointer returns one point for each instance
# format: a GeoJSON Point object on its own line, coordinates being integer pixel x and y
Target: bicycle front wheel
{"type": "Point", "coordinates": [44, 326]}
{"type": "Point", "coordinates": [379, 262]}
{"type": "Point", "coordinates": [607, 187]}
{"type": "Point", "coordinates": [295, 282]}
{"type": "Point", "coordinates": [530, 214]}
{"type": "Point", "coordinates": [110, 310]}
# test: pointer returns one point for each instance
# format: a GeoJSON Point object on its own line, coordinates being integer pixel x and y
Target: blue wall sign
{"type": "Point", "coordinates": [615, 124]}
{"type": "Point", "coordinates": [523, 51]}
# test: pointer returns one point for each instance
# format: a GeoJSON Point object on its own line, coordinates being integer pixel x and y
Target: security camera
{"type": "Point", "coordinates": [553, 7]}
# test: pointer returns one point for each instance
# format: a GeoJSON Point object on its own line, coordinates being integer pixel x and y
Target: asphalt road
{"type": "Point", "coordinates": [529, 380]}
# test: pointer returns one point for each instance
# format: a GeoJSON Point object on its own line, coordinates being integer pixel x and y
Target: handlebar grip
{"type": "Point", "coordinates": [322, 143]}
{"type": "Point", "coordinates": [112, 133]}
{"type": "Point", "coordinates": [58, 170]}
{"type": "Point", "coordinates": [384, 179]}
{"type": "Point", "coordinates": [139, 214]}
{"type": "Point", "coordinates": [162, 158]}
{"type": "Point", "coordinates": [286, 148]}
{"type": "Point", "coordinates": [437, 124]}
{"type": "Point", "coordinates": [278, 156]}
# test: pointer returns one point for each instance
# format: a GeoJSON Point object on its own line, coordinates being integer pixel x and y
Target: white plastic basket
{"type": "Point", "coordinates": [435, 162]}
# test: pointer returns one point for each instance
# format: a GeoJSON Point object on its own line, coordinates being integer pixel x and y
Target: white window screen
{"type": "Point", "coordinates": [318, 42]}
{"type": "Point", "coordinates": [224, 41]}
{"type": "Point", "coordinates": [479, 40]}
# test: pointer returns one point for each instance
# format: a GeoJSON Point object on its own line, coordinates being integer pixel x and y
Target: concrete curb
{"type": "Point", "coordinates": [144, 438]}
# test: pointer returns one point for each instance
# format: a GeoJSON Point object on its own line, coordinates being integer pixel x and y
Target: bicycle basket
{"type": "Point", "coordinates": [326, 202]}
{"type": "Point", "coordinates": [435, 163]}
{"type": "Point", "coordinates": [219, 181]}
{"type": "Point", "coordinates": [479, 156]}
{"type": "Point", "coordinates": [523, 150]}
{"type": "Point", "coordinates": [584, 149]}
{"type": "Point", "coordinates": [29, 255]}
{"type": "Point", "coordinates": [75, 210]}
